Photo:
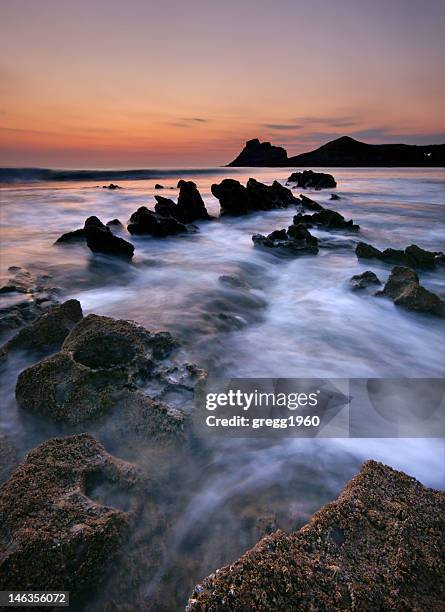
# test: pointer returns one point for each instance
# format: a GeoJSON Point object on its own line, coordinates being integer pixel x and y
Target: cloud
{"type": "Point", "coordinates": [282, 126]}
{"type": "Point", "coordinates": [187, 122]}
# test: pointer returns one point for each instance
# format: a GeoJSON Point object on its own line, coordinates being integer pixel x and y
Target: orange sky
{"type": "Point", "coordinates": [149, 82]}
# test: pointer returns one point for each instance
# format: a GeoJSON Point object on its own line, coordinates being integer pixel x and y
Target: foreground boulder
{"type": "Point", "coordinates": [99, 369]}
{"type": "Point", "coordinates": [52, 535]}
{"type": "Point", "coordinates": [296, 240]}
{"type": "Point", "coordinates": [48, 332]}
{"type": "Point", "coordinates": [312, 180]}
{"type": "Point", "coordinates": [235, 199]}
{"type": "Point", "coordinates": [413, 256]}
{"type": "Point", "coordinates": [327, 219]}
{"type": "Point", "coordinates": [364, 280]}
{"type": "Point", "coordinates": [404, 288]}
{"type": "Point", "coordinates": [379, 546]}
{"type": "Point", "coordinates": [190, 206]}
{"type": "Point", "coordinates": [145, 221]}
{"type": "Point", "coordinates": [99, 239]}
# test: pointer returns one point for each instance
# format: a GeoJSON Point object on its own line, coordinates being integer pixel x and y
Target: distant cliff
{"type": "Point", "coordinates": [344, 151]}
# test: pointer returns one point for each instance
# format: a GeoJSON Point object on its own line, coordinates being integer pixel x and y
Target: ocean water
{"type": "Point", "coordinates": [291, 318]}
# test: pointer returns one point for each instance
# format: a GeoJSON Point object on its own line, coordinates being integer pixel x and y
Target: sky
{"type": "Point", "coordinates": [143, 83]}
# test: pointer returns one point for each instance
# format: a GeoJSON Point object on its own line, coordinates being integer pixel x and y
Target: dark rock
{"type": "Point", "coordinates": [145, 221]}
{"type": "Point", "coordinates": [311, 204]}
{"type": "Point", "coordinates": [101, 240]}
{"type": "Point", "coordinates": [158, 186]}
{"type": "Point", "coordinates": [404, 289]}
{"type": "Point", "coordinates": [375, 548]}
{"type": "Point", "coordinates": [235, 199]}
{"type": "Point", "coordinates": [256, 153]}
{"type": "Point", "coordinates": [334, 196]}
{"type": "Point", "coordinates": [111, 186]}
{"type": "Point", "coordinates": [327, 219]}
{"type": "Point", "coordinates": [190, 205]}
{"type": "Point", "coordinates": [48, 332]}
{"type": "Point", "coordinates": [53, 536]}
{"type": "Point", "coordinates": [413, 256]}
{"type": "Point", "coordinates": [74, 236]}
{"type": "Point", "coordinates": [166, 207]}
{"type": "Point", "coordinates": [296, 240]}
{"type": "Point", "coordinates": [361, 281]}
{"type": "Point", "coordinates": [8, 456]}
{"type": "Point", "coordinates": [115, 222]}
{"type": "Point", "coordinates": [312, 180]}
{"type": "Point", "coordinates": [96, 223]}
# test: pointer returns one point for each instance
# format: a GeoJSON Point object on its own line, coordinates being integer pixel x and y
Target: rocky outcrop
{"type": "Point", "coordinates": [312, 180]}
{"type": "Point", "coordinates": [48, 332]}
{"type": "Point", "coordinates": [147, 222]}
{"type": "Point", "coordinates": [309, 203]}
{"type": "Point", "coordinates": [327, 219]}
{"type": "Point", "coordinates": [404, 288]}
{"type": "Point", "coordinates": [111, 186]}
{"type": "Point", "coordinates": [256, 153]}
{"type": "Point", "coordinates": [99, 368]}
{"type": "Point", "coordinates": [379, 546]}
{"type": "Point", "coordinates": [190, 205]}
{"type": "Point", "coordinates": [364, 280]}
{"type": "Point", "coordinates": [413, 256]}
{"type": "Point", "coordinates": [235, 199]}
{"type": "Point", "coordinates": [52, 535]}
{"type": "Point", "coordinates": [99, 239]}
{"type": "Point", "coordinates": [296, 240]}
{"type": "Point", "coordinates": [159, 186]}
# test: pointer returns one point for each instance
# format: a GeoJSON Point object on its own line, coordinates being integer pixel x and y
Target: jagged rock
{"type": "Point", "coordinates": [413, 256]}
{"type": "Point", "coordinates": [404, 289]}
{"type": "Point", "coordinates": [256, 153]}
{"type": "Point", "coordinates": [145, 221]}
{"type": "Point", "coordinates": [99, 238]}
{"type": "Point", "coordinates": [361, 281]}
{"type": "Point", "coordinates": [48, 332]}
{"type": "Point", "coordinates": [159, 186]}
{"type": "Point", "coordinates": [115, 222]}
{"type": "Point", "coordinates": [235, 199]}
{"type": "Point", "coordinates": [377, 547]}
{"type": "Point", "coordinates": [311, 204]}
{"type": "Point", "coordinates": [312, 180]}
{"type": "Point", "coordinates": [52, 535]}
{"type": "Point", "coordinates": [296, 240]}
{"type": "Point", "coordinates": [111, 186]}
{"type": "Point", "coordinates": [190, 205]}
{"type": "Point", "coordinates": [327, 219]}
{"type": "Point", "coordinates": [99, 360]}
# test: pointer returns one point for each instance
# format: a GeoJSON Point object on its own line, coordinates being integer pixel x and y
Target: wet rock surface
{"type": "Point", "coordinates": [190, 206]}
{"type": "Point", "coordinates": [404, 288]}
{"type": "Point", "coordinates": [235, 199]}
{"type": "Point", "coordinates": [413, 256]}
{"type": "Point", "coordinates": [99, 238]}
{"type": "Point", "coordinates": [312, 180]}
{"type": "Point", "coordinates": [145, 221]}
{"type": "Point", "coordinates": [356, 553]}
{"type": "Point", "coordinates": [309, 203]}
{"type": "Point", "coordinates": [296, 240]}
{"type": "Point", "coordinates": [52, 535]}
{"type": "Point", "coordinates": [327, 219]}
{"type": "Point", "coordinates": [103, 364]}
{"type": "Point", "coordinates": [48, 332]}
{"type": "Point", "coordinates": [364, 280]}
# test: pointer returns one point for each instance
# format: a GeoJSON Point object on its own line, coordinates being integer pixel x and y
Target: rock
{"type": "Point", "coordinates": [145, 221]}
{"type": "Point", "coordinates": [361, 281]}
{"type": "Point", "coordinates": [375, 548]}
{"type": "Point", "coordinates": [166, 207]}
{"type": "Point", "coordinates": [235, 199]}
{"type": "Point", "coordinates": [413, 256]}
{"type": "Point", "coordinates": [74, 236]}
{"type": "Point", "coordinates": [404, 289]}
{"type": "Point", "coordinates": [327, 219]}
{"type": "Point", "coordinates": [53, 536]}
{"type": "Point", "coordinates": [296, 240]}
{"type": "Point", "coordinates": [100, 360]}
{"type": "Point", "coordinates": [115, 222]}
{"type": "Point", "coordinates": [334, 196]}
{"type": "Point", "coordinates": [101, 240]}
{"type": "Point", "coordinates": [190, 205]}
{"type": "Point", "coordinates": [111, 186]}
{"type": "Point", "coordinates": [8, 456]}
{"type": "Point", "coordinates": [48, 332]}
{"type": "Point", "coordinates": [311, 204]}
{"type": "Point", "coordinates": [312, 180]}
{"type": "Point", "coordinates": [158, 186]}
{"type": "Point", "coordinates": [256, 153]}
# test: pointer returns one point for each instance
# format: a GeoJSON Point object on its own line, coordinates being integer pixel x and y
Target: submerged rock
{"type": "Point", "coordinates": [49, 331]}
{"type": "Point", "coordinates": [335, 196]}
{"type": "Point", "coordinates": [309, 203]}
{"type": "Point", "coordinates": [100, 360]}
{"type": "Point", "coordinates": [404, 288]}
{"type": "Point", "coordinates": [115, 222]}
{"type": "Point", "coordinates": [327, 219]}
{"type": "Point", "coordinates": [413, 256]}
{"type": "Point", "coordinates": [377, 547]}
{"type": "Point", "coordinates": [361, 281]}
{"type": "Point", "coordinates": [296, 240]}
{"type": "Point", "coordinates": [53, 536]}
{"type": "Point", "coordinates": [235, 199]}
{"type": "Point", "coordinates": [145, 221]}
{"type": "Point", "coordinates": [308, 179]}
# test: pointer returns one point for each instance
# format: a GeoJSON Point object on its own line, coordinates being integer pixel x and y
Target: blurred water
{"type": "Point", "coordinates": [274, 318]}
